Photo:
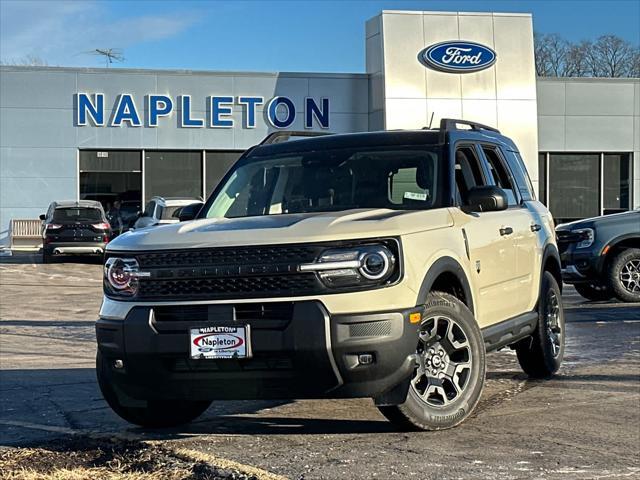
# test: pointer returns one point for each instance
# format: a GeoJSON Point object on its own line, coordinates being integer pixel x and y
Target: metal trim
{"type": "Point", "coordinates": [332, 360]}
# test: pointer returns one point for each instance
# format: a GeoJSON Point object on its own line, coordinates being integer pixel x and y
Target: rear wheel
{"type": "Point", "coordinates": [450, 368]}
{"type": "Point", "coordinates": [540, 355]}
{"type": "Point", "coordinates": [157, 413]}
{"type": "Point", "coordinates": [624, 275]}
{"type": "Point", "coordinates": [594, 291]}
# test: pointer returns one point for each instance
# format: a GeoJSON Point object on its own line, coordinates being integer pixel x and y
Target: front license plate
{"type": "Point", "coordinates": [220, 342]}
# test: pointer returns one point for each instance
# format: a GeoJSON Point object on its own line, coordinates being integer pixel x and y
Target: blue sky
{"type": "Point", "coordinates": [315, 36]}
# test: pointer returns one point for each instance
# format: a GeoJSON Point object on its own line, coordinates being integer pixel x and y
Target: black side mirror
{"type": "Point", "coordinates": [488, 198]}
{"type": "Point", "coordinates": [42, 217]}
{"type": "Point", "coordinates": [189, 212]}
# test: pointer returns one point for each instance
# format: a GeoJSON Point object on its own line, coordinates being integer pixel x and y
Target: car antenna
{"type": "Point", "coordinates": [431, 120]}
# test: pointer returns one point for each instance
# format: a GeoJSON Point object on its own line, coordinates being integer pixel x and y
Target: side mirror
{"type": "Point", "coordinates": [488, 198]}
{"type": "Point", "coordinates": [189, 212]}
{"type": "Point", "coordinates": [42, 217]}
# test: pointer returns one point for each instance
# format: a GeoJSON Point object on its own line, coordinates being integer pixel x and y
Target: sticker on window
{"type": "Point", "coordinates": [416, 196]}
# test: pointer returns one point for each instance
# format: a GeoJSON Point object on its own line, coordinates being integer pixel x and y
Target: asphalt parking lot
{"type": "Point", "coordinates": [584, 423]}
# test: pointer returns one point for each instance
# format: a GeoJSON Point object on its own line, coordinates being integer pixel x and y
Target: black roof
{"type": "Point", "coordinates": [346, 140]}
{"type": "Point", "coordinates": [383, 138]}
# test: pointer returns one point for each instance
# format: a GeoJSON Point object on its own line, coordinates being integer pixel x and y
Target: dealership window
{"type": "Point", "coordinates": [581, 185]}
{"type": "Point", "coordinates": [617, 182]}
{"type": "Point", "coordinates": [172, 174]}
{"type": "Point", "coordinates": [107, 176]}
{"type": "Point", "coordinates": [217, 163]}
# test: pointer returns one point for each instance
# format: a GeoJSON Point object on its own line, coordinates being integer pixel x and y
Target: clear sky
{"type": "Point", "coordinates": [314, 36]}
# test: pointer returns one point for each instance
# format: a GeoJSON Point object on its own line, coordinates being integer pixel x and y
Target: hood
{"type": "Point", "coordinates": [282, 229]}
{"type": "Point", "coordinates": [622, 217]}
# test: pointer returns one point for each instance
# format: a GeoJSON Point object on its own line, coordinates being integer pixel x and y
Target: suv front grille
{"type": "Point", "coordinates": [230, 287]}
{"type": "Point", "coordinates": [234, 272]}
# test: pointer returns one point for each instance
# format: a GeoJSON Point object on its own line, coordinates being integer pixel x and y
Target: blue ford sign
{"type": "Point", "coordinates": [457, 56]}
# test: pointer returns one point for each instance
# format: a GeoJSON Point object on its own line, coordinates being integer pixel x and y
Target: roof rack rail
{"type": "Point", "coordinates": [285, 136]}
{"type": "Point", "coordinates": [447, 124]}
{"type": "Point", "coordinates": [450, 124]}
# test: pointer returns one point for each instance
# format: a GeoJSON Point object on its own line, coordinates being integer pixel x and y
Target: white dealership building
{"type": "Point", "coordinates": [131, 134]}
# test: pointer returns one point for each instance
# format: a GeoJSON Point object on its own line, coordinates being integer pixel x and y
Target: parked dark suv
{"type": "Point", "coordinates": [601, 256]}
{"type": "Point", "coordinates": [74, 228]}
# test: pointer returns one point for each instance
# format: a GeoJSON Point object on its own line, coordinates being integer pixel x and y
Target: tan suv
{"type": "Point", "coordinates": [378, 265]}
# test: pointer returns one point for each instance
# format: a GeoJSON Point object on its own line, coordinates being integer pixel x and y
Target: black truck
{"type": "Point", "coordinates": [601, 256]}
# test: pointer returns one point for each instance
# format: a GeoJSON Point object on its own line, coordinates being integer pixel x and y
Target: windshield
{"type": "Point", "coordinates": [61, 215]}
{"type": "Point", "coordinates": [393, 177]}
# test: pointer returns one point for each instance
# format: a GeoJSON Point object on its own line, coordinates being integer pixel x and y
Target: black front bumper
{"type": "Point", "coordinates": [311, 354]}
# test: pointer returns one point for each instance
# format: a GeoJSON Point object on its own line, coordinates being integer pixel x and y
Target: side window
{"type": "Point", "coordinates": [521, 175]}
{"type": "Point", "coordinates": [158, 214]}
{"type": "Point", "coordinates": [501, 175]}
{"type": "Point", "coordinates": [148, 210]}
{"type": "Point", "coordinates": [468, 173]}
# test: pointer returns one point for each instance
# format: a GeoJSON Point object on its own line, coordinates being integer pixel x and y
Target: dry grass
{"type": "Point", "coordinates": [90, 459]}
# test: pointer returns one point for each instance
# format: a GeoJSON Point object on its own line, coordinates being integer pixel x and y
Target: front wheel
{"type": "Point", "coordinates": [157, 413]}
{"type": "Point", "coordinates": [624, 275]}
{"type": "Point", "coordinates": [540, 354]}
{"type": "Point", "coordinates": [450, 368]}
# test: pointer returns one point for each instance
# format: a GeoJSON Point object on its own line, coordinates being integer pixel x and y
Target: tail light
{"type": "Point", "coordinates": [53, 226]}
{"type": "Point", "coordinates": [106, 238]}
{"type": "Point", "coordinates": [101, 226]}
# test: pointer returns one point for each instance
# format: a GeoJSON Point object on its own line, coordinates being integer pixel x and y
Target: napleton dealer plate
{"type": "Point", "coordinates": [220, 342]}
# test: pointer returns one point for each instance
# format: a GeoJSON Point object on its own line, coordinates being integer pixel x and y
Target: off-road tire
{"type": "Point", "coordinates": [416, 413]}
{"type": "Point", "coordinates": [594, 291]}
{"type": "Point", "coordinates": [540, 354]}
{"type": "Point", "coordinates": [157, 414]}
{"type": "Point", "coordinates": [625, 264]}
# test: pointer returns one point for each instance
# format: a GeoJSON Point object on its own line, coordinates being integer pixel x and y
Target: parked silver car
{"type": "Point", "coordinates": [162, 210]}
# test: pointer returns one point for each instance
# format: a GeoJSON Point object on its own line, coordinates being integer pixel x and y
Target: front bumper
{"type": "Point", "coordinates": [310, 354]}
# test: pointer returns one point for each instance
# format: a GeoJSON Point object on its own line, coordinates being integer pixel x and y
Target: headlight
{"type": "Point", "coordinates": [357, 266]}
{"type": "Point", "coordinates": [586, 235]}
{"type": "Point", "coordinates": [121, 276]}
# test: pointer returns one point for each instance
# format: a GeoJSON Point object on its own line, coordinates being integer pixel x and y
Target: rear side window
{"type": "Point", "coordinates": [468, 173]}
{"type": "Point", "coordinates": [501, 175]}
{"type": "Point", "coordinates": [521, 175]}
{"type": "Point", "coordinates": [77, 215]}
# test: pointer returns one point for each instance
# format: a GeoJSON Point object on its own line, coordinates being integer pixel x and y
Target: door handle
{"type": "Point", "coordinates": [506, 231]}
{"type": "Point", "coordinates": [536, 227]}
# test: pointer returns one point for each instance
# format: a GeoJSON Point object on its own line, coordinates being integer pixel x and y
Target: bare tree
{"type": "Point", "coordinates": [26, 61]}
{"type": "Point", "coordinates": [614, 56]}
{"type": "Point", "coordinates": [608, 56]}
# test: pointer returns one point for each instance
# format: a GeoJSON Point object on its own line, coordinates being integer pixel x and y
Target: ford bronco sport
{"type": "Point", "coordinates": [378, 265]}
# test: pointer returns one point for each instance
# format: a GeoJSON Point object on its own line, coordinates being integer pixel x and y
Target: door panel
{"type": "Point", "coordinates": [493, 263]}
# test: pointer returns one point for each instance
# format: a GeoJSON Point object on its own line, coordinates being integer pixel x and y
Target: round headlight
{"type": "Point", "coordinates": [374, 265]}
{"type": "Point", "coordinates": [122, 274]}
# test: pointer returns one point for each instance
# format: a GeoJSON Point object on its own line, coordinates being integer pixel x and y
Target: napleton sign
{"type": "Point", "coordinates": [279, 111]}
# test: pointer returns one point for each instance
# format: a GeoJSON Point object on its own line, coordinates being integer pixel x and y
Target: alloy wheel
{"type": "Point", "coordinates": [630, 276]}
{"type": "Point", "coordinates": [554, 327]}
{"type": "Point", "coordinates": [443, 362]}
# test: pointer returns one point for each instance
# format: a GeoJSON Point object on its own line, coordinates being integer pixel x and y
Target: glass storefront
{"type": "Point", "coordinates": [122, 175]}
{"type": "Point", "coordinates": [110, 176]}
{"type": "Point", "coordinates": [581, 185]}
{"type": "Point", "coordinates": [172, 174]}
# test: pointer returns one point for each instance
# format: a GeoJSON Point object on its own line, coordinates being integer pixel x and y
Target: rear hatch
{"type": "Point", "coordinates": [77, 224]}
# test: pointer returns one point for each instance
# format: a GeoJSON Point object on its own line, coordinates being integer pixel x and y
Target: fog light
{"type": "Point", "coordinates": [119, 364]}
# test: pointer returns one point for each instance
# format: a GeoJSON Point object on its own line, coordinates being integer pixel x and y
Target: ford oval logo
{"type": "Point", "coordinates": [457, 57]}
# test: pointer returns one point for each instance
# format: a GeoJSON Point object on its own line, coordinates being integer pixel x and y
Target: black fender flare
{"type": "Point", "coordinates": [551, 251]}
{"type": "Point", "coordinates": [446, 265]}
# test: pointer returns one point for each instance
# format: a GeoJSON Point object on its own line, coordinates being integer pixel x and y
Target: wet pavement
{"type": "Point", "coordinates": [583, 423]}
